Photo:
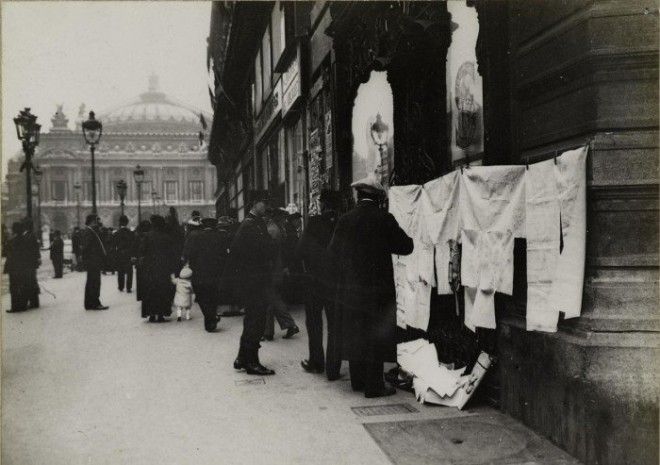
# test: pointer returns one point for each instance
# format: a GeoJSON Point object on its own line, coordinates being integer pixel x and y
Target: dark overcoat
{"type": "Point", "coordinates": [159, 260]}
{"type": "Point", "coordinates": [206, 252]}
{"type": "Point", "coordinates": [312, 249]}
{"type": "Point", "coordinates": [57, 249]}
{"type": "Point", "coordinates": [250, 261]}
{"type": "Point", "coordinates": [362, 246]}
{"type": "Point", "coordinates": [92, 248]}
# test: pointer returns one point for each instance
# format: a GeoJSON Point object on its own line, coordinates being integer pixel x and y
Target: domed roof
{"type": "Point", "coordinates": [153, 112]}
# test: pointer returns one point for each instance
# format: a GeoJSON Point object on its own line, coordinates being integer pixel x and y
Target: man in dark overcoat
{"type": "Point", "coordinates": [94, 257]}
{"type": "Point", "coordinates": [57, 253]}
{"type": "Point", "coordinates": [76, 246]}
{"type": "Point", "coordinates": [312, 249]}
{"type": "Point", "coordinates": [32, 246]}
{"type": "Point", "coordinates": [19, 266]}
{"type": "Point", "coordinates": [362, 245]}
{"type": "Point", "coordinates": [206, 253]}
{"type": "Point", "coordinates": [248, 271]}
{"type": "Point", "coordinates": [125, 252]}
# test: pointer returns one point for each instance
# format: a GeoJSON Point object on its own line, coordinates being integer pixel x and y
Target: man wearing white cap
{"type": "Point", "coordinates": [362, 247]}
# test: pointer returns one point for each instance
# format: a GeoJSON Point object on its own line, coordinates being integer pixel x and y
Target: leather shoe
{"type": "Point", "coordinates": [238, 364]}
{"type": "Point", "coordinates": [99, 307]}
{"type": "Point", "coordinates": [385, 391]}
{"type": "Point", "coordinates": [310, 367]}
{"type": "Point", "coordinates": [291, 332]}
{"type": "Point", "coordinates": [258, 369]}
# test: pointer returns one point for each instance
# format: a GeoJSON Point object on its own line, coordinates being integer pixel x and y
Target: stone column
{"type": "Point", "coordinates": [588, 71]}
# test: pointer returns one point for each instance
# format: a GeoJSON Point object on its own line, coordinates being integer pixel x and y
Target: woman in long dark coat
{"type": "Point", "coordinates": [140, 232]}
{"type": "Point", "coordinates": [159, 261]}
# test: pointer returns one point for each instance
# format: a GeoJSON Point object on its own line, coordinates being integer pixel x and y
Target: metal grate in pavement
{"type": "Point", "coordinates": [387, 409]}
{"type": "Point", "coordinates": [245, 382]}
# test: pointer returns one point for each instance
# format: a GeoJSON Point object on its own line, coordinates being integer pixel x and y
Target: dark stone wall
{"type": "Point", "coordinates": [585, 71]}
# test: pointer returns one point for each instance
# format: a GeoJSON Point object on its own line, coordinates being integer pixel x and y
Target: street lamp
{"type": "Point", "coordinates": [92, 130]}
{"type": "Point", "coordinates": [27, 131]}
{"type": "Point", "coordinates": [121, 187]}
{"type": "Point", "coordinates": [379, 134]}
{"type": "Point", "coordinates": [77, 188]}
{"type": "Point", "coordinates": [138, 175]}
{"type": "Point", "coordinates": [37, 178]}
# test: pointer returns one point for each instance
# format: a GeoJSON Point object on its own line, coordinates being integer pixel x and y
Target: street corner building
{"type": "Point", "coordinates": [316, 95]}
{"type": "Point", "coordinates": [155, 131]}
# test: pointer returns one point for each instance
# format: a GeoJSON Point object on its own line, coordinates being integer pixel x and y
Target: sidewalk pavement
{"type": "Point", "coordinates": [106, 387]}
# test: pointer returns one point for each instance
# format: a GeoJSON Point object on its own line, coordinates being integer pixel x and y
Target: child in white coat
{"type": "Point", "coordinates": [183, 296]}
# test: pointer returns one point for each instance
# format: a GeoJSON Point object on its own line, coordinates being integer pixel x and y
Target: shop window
{"type": "Point", "coordinates": [373, 129]}
{"type": "Point", "coordinates": [196, 190]}
{"type": "Point", "coordinates": [464, 85]}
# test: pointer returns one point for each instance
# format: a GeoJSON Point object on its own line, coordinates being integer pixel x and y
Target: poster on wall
{"type": "Point", "coordinates": [315, 152]}
{"type": "Point", "coordinates": [328, 142]}
{"type": "Point", "coordinates": [464, 85]}
{"type": "Point", "coordinates": [373, 129]}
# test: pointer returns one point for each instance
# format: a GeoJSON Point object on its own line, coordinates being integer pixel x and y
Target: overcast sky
{"type": "Point", "coordinates": [99, 53]}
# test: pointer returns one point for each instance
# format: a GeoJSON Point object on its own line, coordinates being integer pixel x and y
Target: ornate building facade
{"type": "Point", "coordinates": [154, 131]}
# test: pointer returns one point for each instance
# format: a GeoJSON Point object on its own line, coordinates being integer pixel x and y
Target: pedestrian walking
{"type": "Point", "coordinates": [362, 247]}
{"type": "Point", "coordinates": [249, 271]}
{"type": "Point", "coordinates": [19, 266]}
{"type": "Point", "coordinates": [32, 245]}
{"type": "Point", "coordinates": [57, 253]}
{"type": "Point", "coordinates": [206, 254]}
{"type": "Point", "coordinates": [277, 308]}
{"type": "Point", "coordinates": [226, 300]}
{"type": "Point", "coordinates": [313, 251]}
{"type": "Point", "coordinates": [125, 252]}
{"type": "Point", "coordinates": [183, 293]}
{"type": "Point", "coordinates": [160, 261]}
{"type": "Point", "coordinates": [94, 257]}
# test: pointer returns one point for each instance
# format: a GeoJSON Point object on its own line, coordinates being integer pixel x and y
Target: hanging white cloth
{"type": "Point", "coordinates": [543, 240]}
{"type": "Point", "coordinates": [441, 218]}
{"type": "Point", "coordinates": [567, 285]}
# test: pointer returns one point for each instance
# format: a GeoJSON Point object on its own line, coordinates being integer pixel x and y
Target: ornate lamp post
{"type": "Point", "coordinates": [379, 134]}
{"type": "Point", "coordinates": [92, 130]}
{"type": "Point", "coordinates": [138, 175]}
{"type": "Point", "coordinates": [27, 131]}
{"type": "Point", "coordinates": [121, 190]}
{"type": "Point", "coordinates": [37, 178]}
{"type": "Point", "coordinates": [77, 187]}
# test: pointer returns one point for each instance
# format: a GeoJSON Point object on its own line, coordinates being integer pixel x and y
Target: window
{"type": "Point", "coordinates": [257, 84]}
{"type": "Point", "coordinates": [58, 190]}
{"type": "Point", "coordinates": [196, 190]}
{"type": "Point", "coordinates": [266, 63]}
{"type": "Point", "coordinates": [171, 190]}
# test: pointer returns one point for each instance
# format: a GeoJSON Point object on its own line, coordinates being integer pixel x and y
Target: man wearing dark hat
{"type": "Point", "coordinates": [312, 250]}
{"type": "Point", "coordinates": [248, 271]}
{"type": "Point", "coordinates": [362, 248]}
{"type": "Point", "coordinates": [206, 254]}
{"type": "Point", "coordinates": [125, 244]}
{"type": "Point", "coordinates": [94, 256]}
{"type": "Point", "coordinates": [57, 253]}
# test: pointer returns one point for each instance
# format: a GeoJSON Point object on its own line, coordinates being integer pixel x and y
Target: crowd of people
{"type": "Point", "coordinates": [338, 265]}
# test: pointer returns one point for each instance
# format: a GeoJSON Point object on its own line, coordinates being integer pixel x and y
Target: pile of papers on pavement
{"type": "Point", "coordinates": [434, 382]}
